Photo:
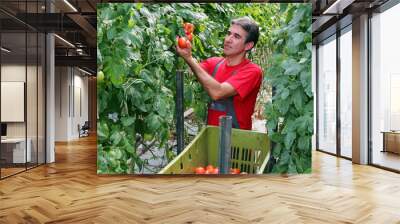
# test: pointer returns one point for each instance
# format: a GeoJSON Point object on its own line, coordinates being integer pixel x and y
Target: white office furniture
{"type": "Point", "coordinates": [18, 149]}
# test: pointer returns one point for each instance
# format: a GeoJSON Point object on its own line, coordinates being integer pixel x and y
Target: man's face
{"type": "Point", "coordinates": [234, 42]}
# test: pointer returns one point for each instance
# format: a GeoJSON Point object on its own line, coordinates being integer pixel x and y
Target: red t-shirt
{"type": "Point", "coordinates": [246, 81]}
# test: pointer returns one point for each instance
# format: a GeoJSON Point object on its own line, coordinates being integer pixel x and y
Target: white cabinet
{"type": "Point", "coordinates": [18, 149]}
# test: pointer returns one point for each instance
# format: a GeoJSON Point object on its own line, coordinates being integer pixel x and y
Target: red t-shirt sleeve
{"type": "Point", "coordinates": [246, 80]}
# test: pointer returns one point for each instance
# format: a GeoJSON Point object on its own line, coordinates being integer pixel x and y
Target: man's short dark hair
{"type": "Point", "coordinates": [250, 27]}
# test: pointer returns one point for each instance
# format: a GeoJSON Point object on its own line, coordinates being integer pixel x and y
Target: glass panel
{"type": "Point", "coordinates": [31, 97]}
{"type": "Point", "coordinates": [41, 99]}
{"type": "Point", "coordinates": [13, 87]}
{"type": "Point", "coordinates": [32, 86]}
{"type": "Point", "coordinates": [346, 94]}
{"type": "Point", "coordinates": [385, 86]}
{"type": "Point", "coordinates": [327, 96]}
{"type": "Point", "coordinates": [314, 76]}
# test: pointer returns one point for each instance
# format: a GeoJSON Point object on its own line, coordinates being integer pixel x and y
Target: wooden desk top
{"type": "Point", "coordinates": [13, 140]}
{"type": "Point", "coordinates": [391, 132]}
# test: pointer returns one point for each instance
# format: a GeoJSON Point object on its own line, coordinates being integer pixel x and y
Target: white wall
{"type": "Point", "coordinates": [34, 124]}
{"type": "Point", "coordinates": [71, 93]}
{"type": "Point", "coordinates": [14, 73]}
{"type": "Point", "coordinates": [61, 103]}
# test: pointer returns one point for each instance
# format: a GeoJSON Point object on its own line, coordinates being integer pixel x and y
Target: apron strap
{"type": "Point", "coordinates": [225, 105]}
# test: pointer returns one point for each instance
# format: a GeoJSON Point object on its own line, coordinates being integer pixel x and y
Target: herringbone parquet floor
{"type": "Point", "coordinates": [69, 191]}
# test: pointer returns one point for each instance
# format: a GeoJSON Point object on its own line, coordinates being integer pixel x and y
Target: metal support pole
{"type": "Point", "coordinates": [225, 124]}
{"type": "Point", "coordinates": [179, 110]}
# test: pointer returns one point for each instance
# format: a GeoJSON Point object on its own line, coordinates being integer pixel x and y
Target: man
{"type": "Point", "coordinates": [232, 81]}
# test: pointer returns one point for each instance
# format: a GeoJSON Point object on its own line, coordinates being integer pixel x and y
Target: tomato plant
{"type": "Point", "coordinates": [136, 53]}
{"type": "Point", "coordinates": [290, 112]}
{"type": "Point", "coordinates": [137, 66]}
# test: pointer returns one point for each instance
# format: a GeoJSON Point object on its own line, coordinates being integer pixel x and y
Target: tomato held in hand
{"type": "Point", "coordinates": [199, 170]}
{"type": "Point", "coordinates": [182, 42]}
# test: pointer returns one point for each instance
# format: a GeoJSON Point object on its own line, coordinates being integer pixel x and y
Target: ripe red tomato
{"type": "Point", "coordinates": [216, 171]}
{"type": "Point", "coordinates": [199, 170]}
{"type": "Point", "coordinates": [210, 168]}
{"type": "Point", "coordinates": [235, 171]}
{"type": "Point", "coordinates": [182, 42]}
{"type": "Point", "coordinates": [189, 28]}
{"type": "Point", "coordinates": [189, 36]}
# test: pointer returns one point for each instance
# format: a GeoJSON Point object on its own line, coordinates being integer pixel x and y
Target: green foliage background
{"type": "Point", "coordinates": [290, 113]}
{"type": "Point", "coordinates": [136, 54]}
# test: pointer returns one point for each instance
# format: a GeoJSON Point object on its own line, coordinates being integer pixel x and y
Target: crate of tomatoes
{"type": "Point", "coordinates": [249, 153]}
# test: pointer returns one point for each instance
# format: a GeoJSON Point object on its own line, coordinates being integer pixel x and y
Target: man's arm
{"type": "Point", "coordinates": [214, 89]}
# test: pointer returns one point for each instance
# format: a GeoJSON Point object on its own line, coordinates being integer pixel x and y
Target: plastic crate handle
{"type": "Point", "coordinates": [225, 124]}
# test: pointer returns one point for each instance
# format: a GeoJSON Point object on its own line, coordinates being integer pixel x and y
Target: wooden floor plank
{"type": "Point", "coordinates": [70, 191]}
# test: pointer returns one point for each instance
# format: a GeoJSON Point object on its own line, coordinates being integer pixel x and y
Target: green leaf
{"type": "Point", "coordinates": [127, 121]}
{"type": "Point", "coordinates": [292, 167]}
{"type": "Point", "coordinates": [304, 143]}
{"type": "Point", "coordinates": [102, 131]}
{"type": "Point", "coordinates": [285, 158]}
{"type": "Point", "coordinates": [289, 139]}
{"type": "Point", "coordinates": [116, 75]}
{"type": "Point", "coordinates": [289, 127]}
{"type": "Point", "coordinates": [282, 7]}
{"type": "Point", "coordinates": [146, 76]}
{"type": "Point", "coordinates": [116, 137]}
{"type": "Point", "coordinates": [285, 93]}
{"type": "Point", "coordinates": [126, 37]}
{"type": "Point", "coordinates": [299, 163]}
{"type": "Point", "coordinates": [276, 151]}
{"type": "Point", "coordinates": [271, 124]}
{"type": "Point", "coordinates": [111, 33]}
{"type": "Point", "coordinates": [296, 39]}
{"type": "Point", "coordinates": [291, 67]}
{"type": "Point", "coordinates": [283, 106]}
{"type": "Point", "coordinates": [298, 99]}
{"type": "Point", "coordinates": [309, 46]}
{"type": "Point", "coordinates": [115, 154]}
{"type": "Point", "coordinates": [153, 122]}
{"type": "Point", "coordinates": [305, 78]}
{"type": "Point", "coordinates": [160, 106]}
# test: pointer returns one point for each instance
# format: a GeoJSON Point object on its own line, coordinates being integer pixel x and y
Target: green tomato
{"type": "Point", "coordinates": [131, 23]}
{"type": "Point", "coordinates": [100, 76]}
{"type": "Point", "coordinates": [148, 137]}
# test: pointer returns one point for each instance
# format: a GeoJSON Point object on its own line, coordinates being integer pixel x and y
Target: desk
{"type": "Point", "coordinates": [16, 147]}
{"type": "Point", "coordinates": [391, 141]}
